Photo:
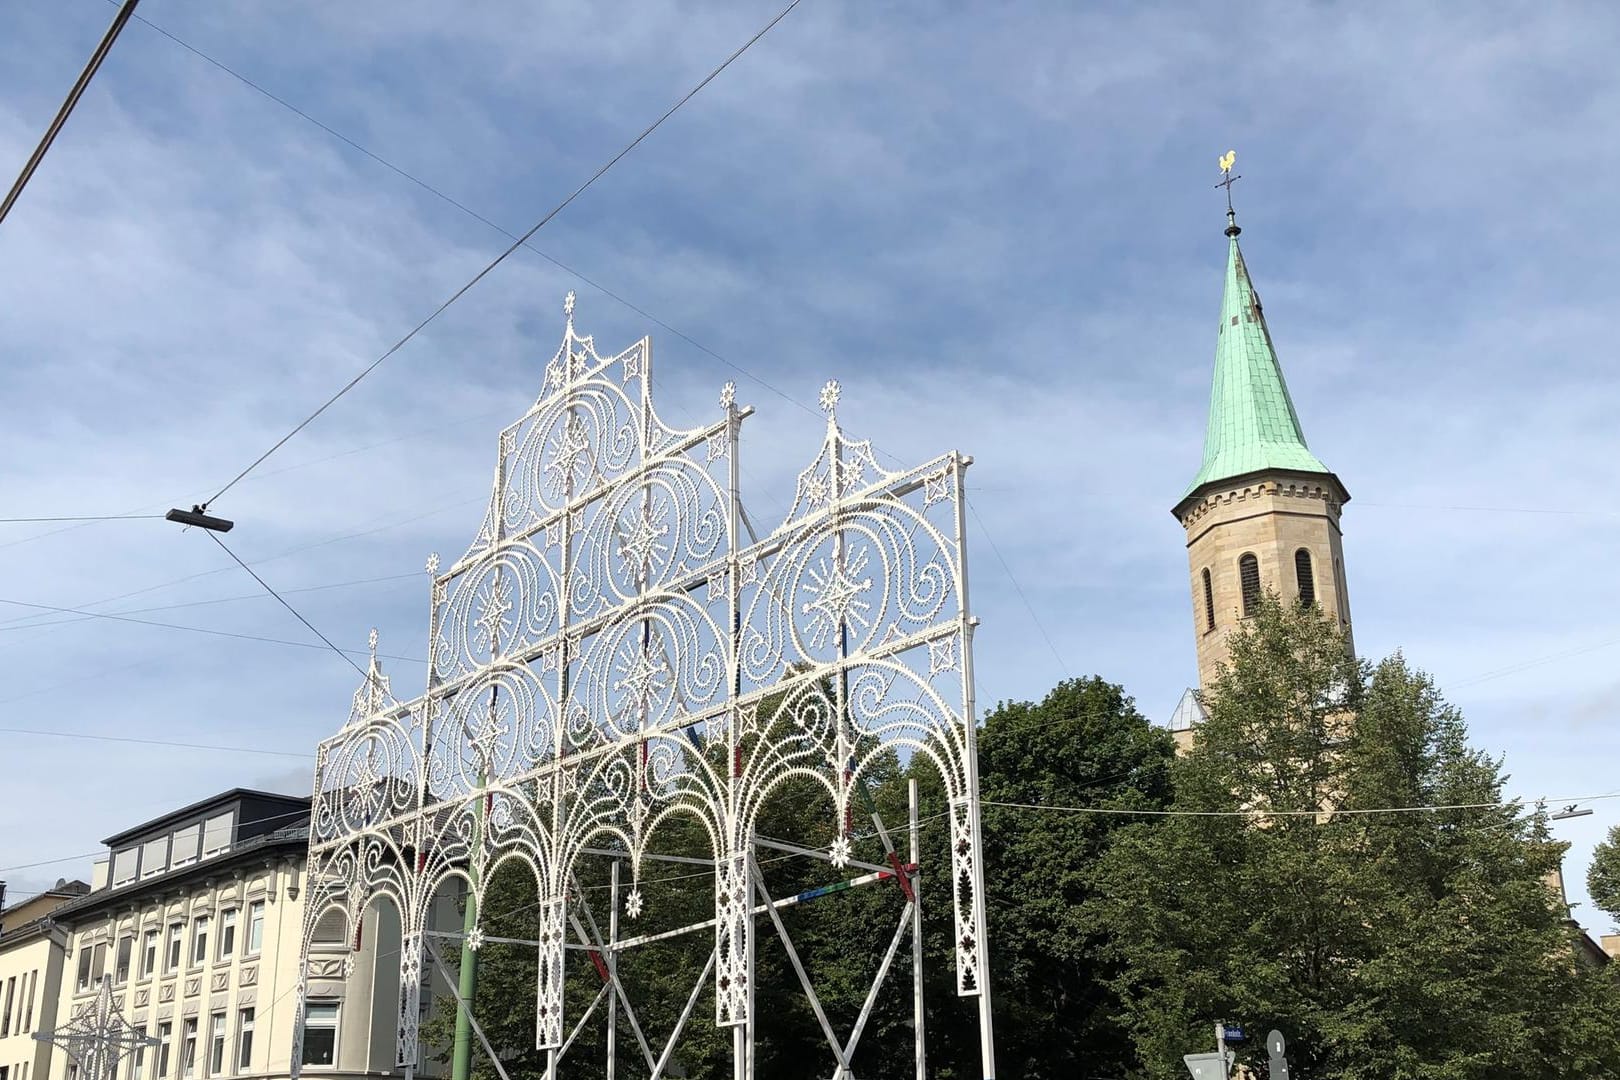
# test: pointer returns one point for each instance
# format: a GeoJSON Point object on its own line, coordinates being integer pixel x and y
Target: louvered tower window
{"type": "Point", "coordinates": [1249, 583]}
{"type": "Point", "coordinates": [1209, 602]}
{"type": "Point", "coordinates": [1307, 580]}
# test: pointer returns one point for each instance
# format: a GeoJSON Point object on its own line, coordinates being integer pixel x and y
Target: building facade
{"type": "Point", "coordinates": [32, 948]}
{"type": "Point", "coordinates": [197, 917]}
{"type": "Point", "coordinates": [1262, 515]}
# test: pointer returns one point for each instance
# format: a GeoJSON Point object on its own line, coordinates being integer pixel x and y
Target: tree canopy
{"type": "Point", "coordinates": [1303, 889]}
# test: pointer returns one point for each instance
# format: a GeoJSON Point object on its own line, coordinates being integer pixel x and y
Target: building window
{"type": "Point", "coordinates": [244, 1040]}
{"type": "Point", "coordinates": [28, 1009]}
{"type": "Point", "coordinates": [137, 1064]}
{"type": "Point", "coordinates": [255, 928]}
{"type": "Point", "coordinates": [1249, 583]}
{"type": "Point", "coordinates": [217, 834]}
{"type": "Point", "coordinates": [1209, 602]}
{"type": "Point", "coordinates": [149, 954]}
{"type": "Point", "coordinates": [164, 1033]}
{"type": "Point", "coordinates": [172, 958]}
{"type": "Point", "coordinates": [320, 1033]}
{"type": "Point", "coordinates": [155, 857]}
{"type": "Point", "coordinates": [126, 946]}
{"type": "Point", "coordinates": [188, 1047]}
{"type": "Point", "coordinates": [1307, 580]}
{"type": "Point", "coordinates": [199, 940]}
{"type": "Point", "coordinates": [330, 929]}
{"type": "Point", "coordinates": [216, 1044]}
{"type": "Point", "coordinates": [98, 965]}
{"type": "Point", "coordinates": [5, 1012]}
{"type": "Point", "coordinates": [185, 846]}
{"type": "Point", "coordinates": [1344, 597]}
{"type": "Point", "coordinates": [83, 981]}
{"type": "Point", "coordinates": [227, 934]}
{"type": "Point", "coordinates": [125, 863]}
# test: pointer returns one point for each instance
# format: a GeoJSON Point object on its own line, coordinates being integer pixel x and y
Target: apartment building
{"type": "Point", "coordinates": [32, 948]}
{"type": "Point", "coordinates": [196, 916]}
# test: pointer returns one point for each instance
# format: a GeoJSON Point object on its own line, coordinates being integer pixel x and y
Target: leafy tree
{"type": "Point", "coordinates": [1083, 745]}
{"type": "Point", "coordinates": [1403, 945]}
{"type": "Point", "coordinates": [1603, 876]}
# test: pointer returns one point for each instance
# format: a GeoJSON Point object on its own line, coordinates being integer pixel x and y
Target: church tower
{"type": "Point", "coordinates": [1262, 515]}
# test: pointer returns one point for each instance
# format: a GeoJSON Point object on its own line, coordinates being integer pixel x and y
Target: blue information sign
{"type": "Point", "coordinates": [1232, 1033]}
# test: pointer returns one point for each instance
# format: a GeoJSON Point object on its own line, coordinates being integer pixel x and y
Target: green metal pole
{"type": "Point", "coordinates": [461, 1055]}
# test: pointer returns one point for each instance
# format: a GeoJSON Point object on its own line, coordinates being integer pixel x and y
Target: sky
{"type": "Point", "coordinates": [996, 225]}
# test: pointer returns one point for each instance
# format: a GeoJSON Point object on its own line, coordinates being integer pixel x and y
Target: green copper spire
{"type": "Point", "coordinates": [1252, 423]}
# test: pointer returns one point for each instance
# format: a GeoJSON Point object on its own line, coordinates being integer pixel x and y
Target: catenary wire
{"type": "Point", "coordinates": [91, 517]}
{"type": "Point", "coordinates": [196, 629]}
{"type": "Point", "coordinates": [614, 160]}
{"type": "Point", "coordinates": [91, 66]}
{"type": "Point", "coordinates": [85, 616]}
{"type": "Point", "coordinates": [284, 603]}
{"type": "Point", "coordinates": [474, 214]}
{"type": "Point", "coordinates": [219, 747]}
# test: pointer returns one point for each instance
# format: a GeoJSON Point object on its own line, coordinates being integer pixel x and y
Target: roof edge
{"type": "Point", "coordinates": [202, 804]}
{"type": "Point", "coordinates": [1199, 493]}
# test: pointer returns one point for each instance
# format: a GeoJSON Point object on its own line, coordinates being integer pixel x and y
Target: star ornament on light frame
{"type": "Point", "coordinates": [830, 394]}
{"type": "Point", "coordinates": [633, 904]}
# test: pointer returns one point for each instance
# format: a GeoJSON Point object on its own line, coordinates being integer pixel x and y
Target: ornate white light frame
{"type": "Point", "coordinates": [610, 652]}
{"type": "Point", "coordinates": [97, 1038]}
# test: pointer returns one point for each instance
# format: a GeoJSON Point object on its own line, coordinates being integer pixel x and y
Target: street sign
{"type": "Point", "coordinates": [1276, 1047]}
{"type": "Point", "coordinates": [1207, 1066]}
{"type": "Point", "coordinates": [1233, 1033]}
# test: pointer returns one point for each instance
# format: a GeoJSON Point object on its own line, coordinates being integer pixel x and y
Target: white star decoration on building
{"type": "Point", "coordinates": [568, 304]}
{"type": "Point", "coordinates": [829, 395]}
{"type": "Point", "coordinates": [98, 1037]}
{"type": "Point", "coordinates": [433, 564]}
{"type": "Point", "coordinates": [728, 395]}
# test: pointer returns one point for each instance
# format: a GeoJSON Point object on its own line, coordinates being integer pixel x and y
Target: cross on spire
{"type": "Point", "coordinates": [1228, 178]}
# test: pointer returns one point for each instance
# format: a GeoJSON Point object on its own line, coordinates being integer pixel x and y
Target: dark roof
{"type": "Point", "coordinates": [294, 837]}
{"type": "Point", "coordinates": [197, 807]}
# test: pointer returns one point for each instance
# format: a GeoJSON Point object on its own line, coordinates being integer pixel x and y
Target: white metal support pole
{"type": "Point", "coordinates": [612, 958]}
{"type": "Point", "coordinates": [916, 938]}
{"type": "Point", "coordinates": [987, 1035]}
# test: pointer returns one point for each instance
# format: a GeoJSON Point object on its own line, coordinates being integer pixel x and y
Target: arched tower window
{"type": "Point", "coordinates": [1307, 580]}
{"type": "Point", "coordinates": [1249, 583]}
{"type": "Point", "coordinates": [1209, 602]}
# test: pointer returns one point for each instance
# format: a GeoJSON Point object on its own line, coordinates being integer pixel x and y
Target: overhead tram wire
{"type": "Point", "coordinates": [459, 293]}
{"type": "Point", "coordinates": [114, 617]}
{"type": "Point", "coordinates": [91, 66]}
{"type": "Point", "coordinates": [283, 601]}
{"type": "Point", "coordinates": [93, 517]}
{"type": "Point", "coordinates": [215, 747]}
{"type": "Point", "coordinates": [475, 215]}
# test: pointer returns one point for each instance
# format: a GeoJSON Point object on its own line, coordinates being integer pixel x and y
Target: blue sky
{"type": "Point", "coordinates": [995, 224]}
